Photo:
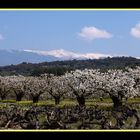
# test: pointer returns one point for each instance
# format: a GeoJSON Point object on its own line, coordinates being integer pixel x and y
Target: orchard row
{"type": "Point", "coordinates": [79, 84]}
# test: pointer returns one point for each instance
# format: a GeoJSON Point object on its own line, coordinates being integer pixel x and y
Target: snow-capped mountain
{"type": "Point", "coordinates": [8, 57]}
{"type": "Point", "coordinates": [63, 54]}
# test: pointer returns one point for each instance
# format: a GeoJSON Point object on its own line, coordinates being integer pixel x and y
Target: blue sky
{"type": "Point", "coordinates": [104, 32]}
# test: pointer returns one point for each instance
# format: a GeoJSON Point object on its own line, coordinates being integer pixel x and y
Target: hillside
{"type": "Point", "coordinates": [60, 67]}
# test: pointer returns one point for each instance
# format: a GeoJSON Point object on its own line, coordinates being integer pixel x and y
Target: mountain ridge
{"type": "Point", "coordinates": [60, 67]}
{"type": "Point", "coordinates": [14, 57]}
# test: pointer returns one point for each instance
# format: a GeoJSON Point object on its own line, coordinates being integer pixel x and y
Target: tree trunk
{"type": "Point", "coordinates": [57, 100]}
{"type": "Point", "coordinates": [81, 100]}
{"type": "Point", "coordinates": [35, 99]}
{"type": "Point", "coordinates": [116, 101]}
{"type": "Point", "coordinates": [19, 97]}
{"type": "Point", "coordinates": [3, 97]}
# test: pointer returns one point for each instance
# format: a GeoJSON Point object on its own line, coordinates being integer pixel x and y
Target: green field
{"type": "Point", "coordinates": [107, 102]}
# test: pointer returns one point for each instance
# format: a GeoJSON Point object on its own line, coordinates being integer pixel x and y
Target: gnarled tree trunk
{"type": "Point", "coordinates": [57, 100]}
{"type": "Point", "coordinates": [3, 97]}
{"type": "Point", "coordinates": [116, 101]}
{"type": "Point", "coordinates": [36, 98]}
{"type": "Point", "coordinates": [80, 100]}
{"type": "Point", "coordinates": [19, 96]}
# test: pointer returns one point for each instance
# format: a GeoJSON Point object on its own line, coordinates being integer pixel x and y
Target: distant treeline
{"type": "Point", "coordinates": [61, 67]}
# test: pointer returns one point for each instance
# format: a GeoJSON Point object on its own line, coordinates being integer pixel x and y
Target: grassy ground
{"type": "Point", "coordinates": [67, 102]}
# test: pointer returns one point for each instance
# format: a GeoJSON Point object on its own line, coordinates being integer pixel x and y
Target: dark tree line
{"type": "Point", "coordinates": [61, 67]}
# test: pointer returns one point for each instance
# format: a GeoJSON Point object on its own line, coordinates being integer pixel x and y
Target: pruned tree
{"type": "Point", "coordinates": [4, 87]}
{"type": "Point", "coordinates": [82, 84]}
{"type": "Point", "coordinates": [57, 88]}
{"type": "Point", "coordinates": [35, 87]}
{"type": "Point", "coordinates": [118, 85]}
{"type": "Point", "coordinates": [17, 85]}
{"type": "Point", "coordinates": [135, 74]}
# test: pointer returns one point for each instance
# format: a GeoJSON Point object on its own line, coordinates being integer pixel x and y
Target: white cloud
{"type": "Point", "coordinates": [135, 31]}
{"type": "Point", "coordinates": [69, 55]}
{"type": "Point", "coordinates": [91, 33]}
{"type": "Point", "coordinates": [1, 37]}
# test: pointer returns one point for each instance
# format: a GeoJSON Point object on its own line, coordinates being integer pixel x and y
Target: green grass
{"type": "Point", "coordinates": [134, 100]}
{"type": "Point", "coordinates": [106, 103]}
{"type": "Point", "coordinates": [7, 101]}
